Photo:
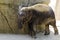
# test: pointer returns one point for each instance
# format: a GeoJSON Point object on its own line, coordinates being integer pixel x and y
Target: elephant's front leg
{"type": "Point", "coordinates": [32, 33]}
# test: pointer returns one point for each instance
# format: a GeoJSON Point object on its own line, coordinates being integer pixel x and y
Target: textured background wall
{"type": "Point", "coordinates": [8, 15]}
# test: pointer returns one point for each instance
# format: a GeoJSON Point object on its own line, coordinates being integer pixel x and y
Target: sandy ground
{"type": "Point", "coordinates": [40, 36]}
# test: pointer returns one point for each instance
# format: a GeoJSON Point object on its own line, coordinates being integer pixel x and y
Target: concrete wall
{"type": "Point", "coordinates": [57, 10]}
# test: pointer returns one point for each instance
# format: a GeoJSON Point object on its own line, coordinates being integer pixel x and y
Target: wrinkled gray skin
{"type": "Point", "coordinates": [33, 17]}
